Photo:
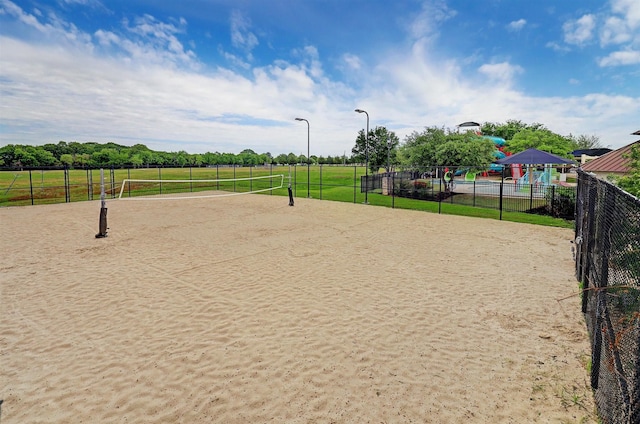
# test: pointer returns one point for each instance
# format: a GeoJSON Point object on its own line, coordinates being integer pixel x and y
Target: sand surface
{"type": "Point", "coordinates": [245, 310]}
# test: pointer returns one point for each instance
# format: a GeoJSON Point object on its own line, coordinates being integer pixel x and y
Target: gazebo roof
{"type": "Point", "coordinates": [534, 157]}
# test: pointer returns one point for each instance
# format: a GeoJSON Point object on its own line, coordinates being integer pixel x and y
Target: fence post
{"type": "Point", "coordinates": [160, 178]}
{"type": "Point", "coordinates": [501, 201]}
{"type": "Point", "coordinates": [113, 183]}
{"type": "Point", "coordinates": [440, 190]}
{"type": "Point", "coordinates": [88, 185]}
{"type": "Point", "coordinates": [553, 198]}
{"type": "Point", "coordinates": [320, 181]}
{"type": "Point", "coordinates": [531, 188]}
{"type": "Point", "coordinates": [67, 185]}
{"type": "Point", "coordinates": [355, 180]}
{"type": "Point", "coordinates": [393, 190]}
{"type": "Point", "coordinates": [31, 186]}
{"type": "Point", "coordinates": [589, 240]}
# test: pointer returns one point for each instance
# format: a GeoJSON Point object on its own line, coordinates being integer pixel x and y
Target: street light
{"type": "Point", "coordinates": [388, 152]}
{"type": "Point", "coordinates": [308, 158]}
{"type": "Point", "coordinates": [366, 155]}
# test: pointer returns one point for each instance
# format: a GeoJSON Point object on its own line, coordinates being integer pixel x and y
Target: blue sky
{"type": "Point", "coordinates": [226, 75]}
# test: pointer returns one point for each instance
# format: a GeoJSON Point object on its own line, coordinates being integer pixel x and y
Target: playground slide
{"type": "Point", "coordinates": [498, 153]}
{"type": "Point", "coordinates": [516, 171]}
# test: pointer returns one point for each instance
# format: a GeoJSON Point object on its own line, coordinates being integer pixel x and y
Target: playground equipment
{"type": "Point", "coordinates": [537, 178]}
{"type": "Point", "coordinates": [498, 153]}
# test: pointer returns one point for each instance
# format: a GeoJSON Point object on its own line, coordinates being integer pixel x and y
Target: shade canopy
{"type": "Point", "coordinates": [534, 157]}
{"type": "Point", "coordinates": [469, 124]}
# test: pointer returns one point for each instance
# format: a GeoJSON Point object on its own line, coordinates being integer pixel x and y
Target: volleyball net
{"type": "Point", "coordinates": [169, 189]}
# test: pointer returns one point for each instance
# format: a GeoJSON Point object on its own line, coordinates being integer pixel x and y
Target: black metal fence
{"type": "Point", "coordinates": [608, 269]}
{"type": "Point", "coordinates": [332, 182]}
{"type": "Point", "coordinates": [444, 185]}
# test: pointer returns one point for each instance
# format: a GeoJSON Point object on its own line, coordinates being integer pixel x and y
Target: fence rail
{"type": "Point", "coordinates": [331, 182]}
{"type": "Point", "coordinates": [608, 268]}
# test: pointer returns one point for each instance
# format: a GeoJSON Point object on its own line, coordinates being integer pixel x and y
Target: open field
{"type": "Point", "coordinates": [243, 309]}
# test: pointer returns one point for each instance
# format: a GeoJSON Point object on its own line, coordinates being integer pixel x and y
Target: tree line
{"type": "Point", "coordinates": [381, 148]}
{"type": "Point", "coordinates": [95, 155]}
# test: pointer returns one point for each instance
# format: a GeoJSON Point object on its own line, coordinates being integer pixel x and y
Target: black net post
{"type": "Point", "coordinates": [102, 227]}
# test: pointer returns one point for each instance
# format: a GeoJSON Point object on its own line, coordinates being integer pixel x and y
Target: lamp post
{"type": "Point", "coordinates": [388, 152]}
{"type": "Point", "coordinates": [366, 155]}
{"type": "Point", "coordinates": [308, 158]}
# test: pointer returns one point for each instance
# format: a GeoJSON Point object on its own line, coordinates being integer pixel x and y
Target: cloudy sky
{"type": "Point", "coordinates": [226, 75]}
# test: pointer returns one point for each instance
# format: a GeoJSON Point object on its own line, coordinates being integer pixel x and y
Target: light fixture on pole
{"type": "Point", "coordinates": [366, 155]}
{"type": "Point", "coordinates": [308, 158]}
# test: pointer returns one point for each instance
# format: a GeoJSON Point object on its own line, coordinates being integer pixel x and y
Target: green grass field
{"type": "Point", "coordinates": [337, 183]}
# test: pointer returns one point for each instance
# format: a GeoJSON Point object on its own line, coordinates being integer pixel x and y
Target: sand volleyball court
{"type": "Point", "coordinates": [245, 310]}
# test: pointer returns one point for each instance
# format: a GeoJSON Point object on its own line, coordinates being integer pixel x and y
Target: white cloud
{"type": "Point", "coordinates": [617, 29]}
{"type": "Point", "coordinates": [579, 31]}
{"type": "Point", "coordinates": [56, 29]}
{"type": "Point", "coordinates": [630, 9]}
{"type": "Point", "coordinates": [352, 61]}
{"type": "Point", "coordinates": [557, 47]}
{"type": "Point", "coordinates": [626, 57]}
{"type": "Point", "coordinates": [241, 37]}
{"type": "Point", "coordinates": [516, 25]}
{"type": "Point", "coordinates": [425, 24]}
{"type": "Point", "coordinates": [158, 39]}
{"type": "Point", "coordinates": [614, 31]}
{"type": "Point", "coordinates": [503, 72]}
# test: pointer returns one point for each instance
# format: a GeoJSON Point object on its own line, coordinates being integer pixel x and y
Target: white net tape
{"type": "Point", "coordinates": [264, 183]}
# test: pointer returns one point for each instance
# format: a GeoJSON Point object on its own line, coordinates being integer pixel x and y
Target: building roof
{"type": "Point", "coordinates": [591, 152]}
{"type": "Point", "coordinates": [612, 161]}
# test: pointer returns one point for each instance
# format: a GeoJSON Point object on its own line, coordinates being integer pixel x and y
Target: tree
{"type": "Point", "coordinates": [541, 139]}
{"type": "Point", "coordinates": [437, 147]}
{"type": "Point", "coordinates": [419, 149]}
{"type": "Point", "coordinates": [584, 141]}
{"type": "Point", "coordinates": [44, 157]}
{"type": "Point", "coordinates": [281, 159]}
{"type": "Point", "coordinates": [67, 159]}
{"type": "Point", "coordinates": [382, 148]}
{"type": "Point", "coordinates": [8, 155]}
{"type": "Point", "coordinates": [292, 159]}
{"type": "Point", "coordinates": [466, 150]}
{"type": "Point", "coordinates": [631, 181]}
{"type": "Point", "coordinates": [509, 129]}
{"type": "Point", "coordinates": [136, 160]}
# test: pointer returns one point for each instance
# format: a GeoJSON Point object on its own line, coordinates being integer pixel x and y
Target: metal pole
{"type": "Point", "coordinates": [366, 155]}
{"type": "Point", "coordinates": [388, 152]}
{"type": "Point", "coordinates": [308, 157]}
{"type": "Point", "coordinates": [30, 186]}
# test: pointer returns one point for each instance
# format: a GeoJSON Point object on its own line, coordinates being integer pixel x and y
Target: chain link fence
{"type": "Point", "coordinates": [608, 269]}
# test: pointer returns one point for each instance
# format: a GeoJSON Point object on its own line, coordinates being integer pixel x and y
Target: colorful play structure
{"type": "Point", "coordinates": [532, 177]}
